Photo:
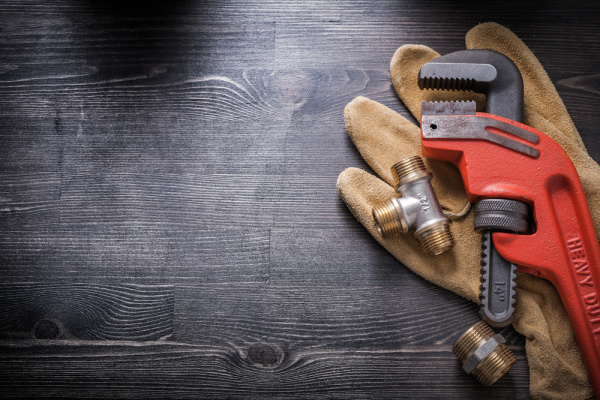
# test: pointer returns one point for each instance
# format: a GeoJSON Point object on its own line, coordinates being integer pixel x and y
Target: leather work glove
{"type": "Point", "coordinates": [384, 137]}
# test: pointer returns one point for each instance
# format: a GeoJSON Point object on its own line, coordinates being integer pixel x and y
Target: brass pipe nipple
{"type": "Point", "coordinates": [409, 169]}
{"type": "Point", "coordinates": [418, 208]}
{"type": "Point", "coordinates": [436, 240]}
{"type": "Point", "coordinates": [483, 354]}
{"type": "Point", "coordinates": [387, 219]}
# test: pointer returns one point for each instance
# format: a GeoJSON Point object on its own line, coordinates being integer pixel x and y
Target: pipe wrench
{"type": "Point", "coordinates": [500, 158]}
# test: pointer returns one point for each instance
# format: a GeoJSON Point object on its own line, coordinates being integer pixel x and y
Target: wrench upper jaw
{"type": "Point", "coordinates": [483, 71]}
{"type": "Point", "coordinates": [453, 76]}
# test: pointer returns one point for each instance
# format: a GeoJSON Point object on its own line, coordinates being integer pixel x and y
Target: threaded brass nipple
{"type": "Point", "coordinates": [436, 240]}
{"type": "Point", "coordinates": [408, 169]}
{"type": "Point", "coordinates": [387, 220]}
{"type": "Point", "coordinates": [483, 354]}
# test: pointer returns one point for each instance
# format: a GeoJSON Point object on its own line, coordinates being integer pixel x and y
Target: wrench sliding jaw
{"type": "Point", "coordinates": [564, 248]}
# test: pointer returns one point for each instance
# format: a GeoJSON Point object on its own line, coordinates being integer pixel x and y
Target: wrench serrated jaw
{"type": "Point", "coordinates": [448, 108]}
{"type": "Point", "coordinates": [483, 71]}
{"type": "Point", "coordinates": [429, 82]}
{"type": "Point", "coordinates": [456, 76]}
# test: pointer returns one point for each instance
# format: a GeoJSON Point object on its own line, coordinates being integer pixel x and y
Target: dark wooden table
{"type": "Point", "coordinates": [170, 225]}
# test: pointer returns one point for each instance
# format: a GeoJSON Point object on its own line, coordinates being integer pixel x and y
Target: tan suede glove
{"type": "Point", "coordinates": [383, 138]}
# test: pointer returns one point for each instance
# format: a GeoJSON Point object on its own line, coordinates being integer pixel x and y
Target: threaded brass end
{"type": "Point", "coordinates": [436, 240]}
{"type": "Point", "coordinates": [471, 340]}
{"type": "Point", "coordinates": [387, 220]}
{"type": "Point", "coordinates": [408, 166]}
{"type": "Point", "coordinates": [408, 169]}
{"type": "Point", "coordinates": [493, 363]}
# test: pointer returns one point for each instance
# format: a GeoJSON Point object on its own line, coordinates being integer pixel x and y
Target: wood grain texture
{"type": "Point", "coordinates": [112, 369]}
{"type": "Point", "coordinates": [88, 312]}
{"type": "Point", "coordinates": [169, 223]}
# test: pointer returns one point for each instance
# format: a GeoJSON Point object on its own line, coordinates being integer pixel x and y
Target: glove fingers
{"type": "Point", "coordinates": [405, 66]}
{"type": "Point", "coordinates": [361, 191]}
{"type": "Point", "coordinates": [383, 137]}
{"type": "Point", "coordinates": [460, 274]}
{"type": "Point", "coordinates": [540, 95]}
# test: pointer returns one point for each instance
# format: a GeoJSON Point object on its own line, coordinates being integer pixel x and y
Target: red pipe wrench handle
{"type": "Point", "coordinates": [500, 158]}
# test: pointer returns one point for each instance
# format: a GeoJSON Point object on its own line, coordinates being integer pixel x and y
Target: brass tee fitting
{"type": "Point", "coordinates": [483, 354]}
{"type": "Point", "coordinates": [418, 208]}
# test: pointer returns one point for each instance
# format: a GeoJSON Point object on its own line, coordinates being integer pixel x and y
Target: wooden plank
{"type": "Point", "coordinates": [71, 311]}
{"type": "Point", "coordinates": [325, 316]}
{"type": "Point", "coordinates": [136, 254]}
{"type": "Point", "coordinates": [113, 369]}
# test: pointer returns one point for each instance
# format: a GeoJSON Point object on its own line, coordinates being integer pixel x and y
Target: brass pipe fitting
{"type": "Point", "coordinates": [483, 354]}
{"type": "Point", "coordinates": [418, 208]}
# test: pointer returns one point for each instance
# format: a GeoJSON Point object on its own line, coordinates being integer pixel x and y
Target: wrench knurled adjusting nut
{"type": "Point", "coordinates": [502, 215]}
{"type": "Point", "coordinates": [418, 208]}
{"type": "Point", "coordinates": [483, 354]}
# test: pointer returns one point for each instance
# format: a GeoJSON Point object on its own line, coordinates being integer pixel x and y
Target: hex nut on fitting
{"type": "Point", "coordinates": [417, 209]}
{"type": "Point", "coordinates": [483, 354]}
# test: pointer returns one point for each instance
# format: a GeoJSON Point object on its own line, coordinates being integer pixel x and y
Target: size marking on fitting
{"type": "Point", "coordinates": [580, 263]}
{"type": "Point", "coordinates": [424, 202]}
